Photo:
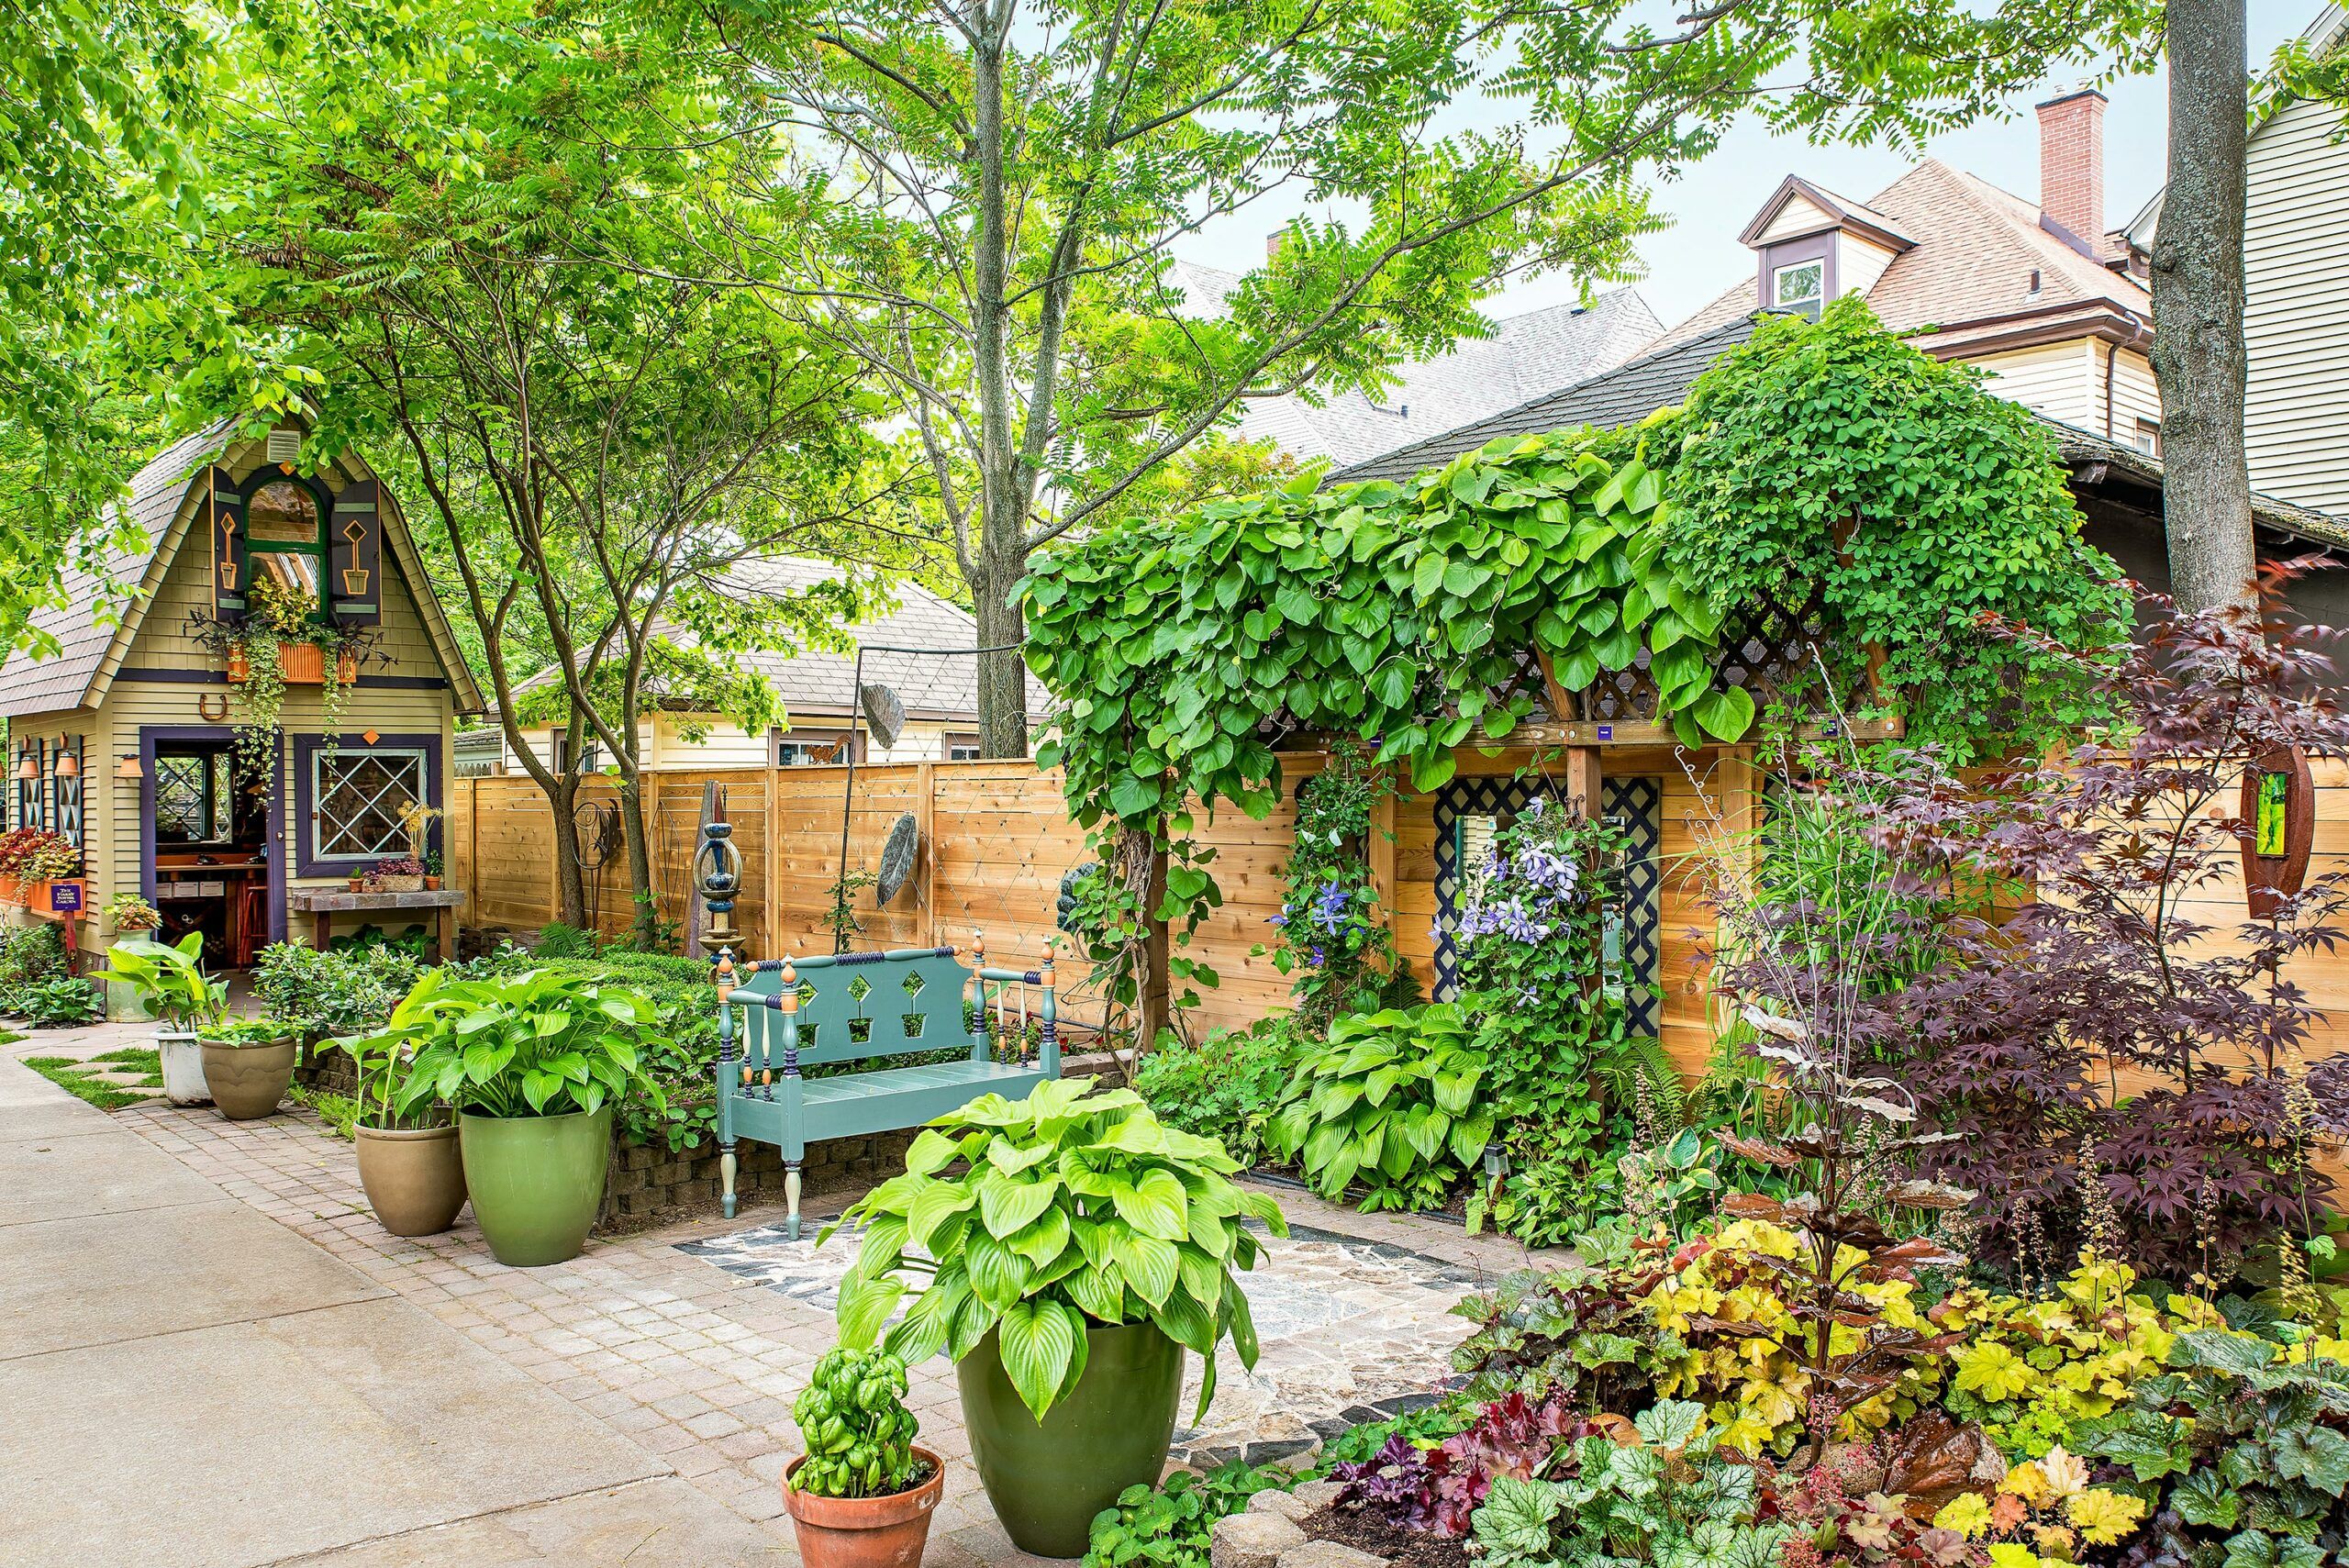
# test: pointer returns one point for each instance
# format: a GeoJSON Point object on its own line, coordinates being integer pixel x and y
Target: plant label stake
{"type": "Point", "coordinates": [2278, 810]}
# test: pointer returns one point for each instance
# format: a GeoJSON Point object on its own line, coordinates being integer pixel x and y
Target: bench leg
{"type": "Point", "coordinates": [726, 1176]}
{"type": "Point", "coordinates": [791, 1196]}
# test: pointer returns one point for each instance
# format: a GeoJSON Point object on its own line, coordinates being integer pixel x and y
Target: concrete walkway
{"type": "Point", "coordinates": [185, 1382]}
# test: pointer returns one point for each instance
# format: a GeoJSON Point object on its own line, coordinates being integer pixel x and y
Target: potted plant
{"type": "Point", "coordinates": [1076, 1248]}
{"type": "Point", "coordinates": [14, 846]}
{"type": "Point", "coordinates": [172, 987]}
{"type": "Point", "coordinates": [248, 1064]}
{"type": "Point", "coordinates": [532, 1065]}
{"type": "Point", "coordinates": [408, 1160]}
{"type": "Point", "coordinates": [42, 860]}
{"type": "Point", "coordinates": [432, 871]}
{"type": "Point", "coordinates": [358, 882]}
{"type": "Point", "coordinates": [862, 1495]}
{"type": "Point", "coordinates": [399, 874]}
{"type": "Point", "coordinates": [130, 912]}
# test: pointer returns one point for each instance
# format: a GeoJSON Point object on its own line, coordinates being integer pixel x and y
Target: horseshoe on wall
{"type": "Point", "coordinates": [203, 709]}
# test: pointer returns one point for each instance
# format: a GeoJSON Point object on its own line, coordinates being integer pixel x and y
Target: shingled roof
{"type": "Point", "coordinates": [85, 623]}
{"type": "Point", "coordinates": [102, 611]}
{"type": "Point", "coordinates": [1623, 396]}
{"type": "Point", "coordinates": [1659, 379]}
{"type": "Point", "coordinates": [1526, 354]}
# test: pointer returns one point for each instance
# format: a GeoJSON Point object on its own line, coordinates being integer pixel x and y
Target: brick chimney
{"type": "Point", "coordinates": [2071, 165]}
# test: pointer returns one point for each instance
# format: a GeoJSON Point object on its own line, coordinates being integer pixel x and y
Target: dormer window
{"type": "Point", "coordinates": [285, 536]}
{"type": "Point", "coordinates": [1800, 287]}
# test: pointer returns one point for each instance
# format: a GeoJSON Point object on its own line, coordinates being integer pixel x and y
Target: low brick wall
{"type": "Point", "coordinates": [648, 1186]}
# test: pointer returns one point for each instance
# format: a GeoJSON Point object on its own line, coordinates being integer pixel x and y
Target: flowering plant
{"type": "Point", "coordinates": [130, 912]}
{"type": "Point", "coordinates": [399, 865]}
{"type": "Point", "coordinates": [1564, 1072]}
{"type": "Point", "coordinates": [1332, 939]}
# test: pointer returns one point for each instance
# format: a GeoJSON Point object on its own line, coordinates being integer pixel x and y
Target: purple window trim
{"type": "Point", "coordinates": [148, 734]}
{"type": "Point", "coordinates": [1819, 247]}
{"type": "Point", "coordinates": [305, 747]}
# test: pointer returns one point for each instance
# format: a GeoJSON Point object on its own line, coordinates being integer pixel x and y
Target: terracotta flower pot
{"type": "Point", "coordinates": [248, 1081]}
{"type": "Point", "coordinates": [864, 1532]}
{"type": "Point", "coordinates": [415, 1178]}
{"type": "Point", "coordinates": [431, 883]}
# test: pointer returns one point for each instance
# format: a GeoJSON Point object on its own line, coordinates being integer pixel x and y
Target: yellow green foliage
{"type": "Point", "coordinates": [2043, 1513]}
{"type": "Point", "coordinates": [2028, 1369]}
{"type": "Point", "coordinates": [1757, 1389]}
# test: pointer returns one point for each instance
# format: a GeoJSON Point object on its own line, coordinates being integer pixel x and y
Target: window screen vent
{"type": "Point", "coordinates": [284, 445]}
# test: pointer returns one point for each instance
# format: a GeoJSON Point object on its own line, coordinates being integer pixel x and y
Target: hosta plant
{"type": "Point", "coordinates": [539, 1043]}
{"type": "Point", "coordinates": [1391, 1100]}
{"type": "Point", "coordinates": [1041, 1218]}
{"type": "Point", "coordinates": [860, 1436]}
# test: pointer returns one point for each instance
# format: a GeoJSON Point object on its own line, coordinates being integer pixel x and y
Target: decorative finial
{"type": "Point", "coordinates": [978, 947]}
{"type": "Point", "coordinates": [788, 999]}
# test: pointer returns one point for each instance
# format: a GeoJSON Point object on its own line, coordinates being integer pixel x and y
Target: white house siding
{"type": "Point", "coordinates": [1800, 215]}
{"type": "Point", "coordinates": [2135, 396]}
{"type": "Point", "coordinates": [1859, 262]}
{"type": "Point", "coordinates": [2062, 381]}
{"type": "Point", "coordinates": [724, 744]}
{"type": "Point", "coordinates": [2296, 323]}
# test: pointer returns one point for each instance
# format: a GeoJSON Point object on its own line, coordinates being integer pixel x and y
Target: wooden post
{"type": "Point", "coordinates": [770, 858]}
{"type": "Point", "coordinates": [1582, 780]}
{"type": "Point", "coordinates": [1154, 1006]}
{"type": "Point", "coordinates": [1380, 852]}
{"type": "Point", "coordinates": [925, 818]}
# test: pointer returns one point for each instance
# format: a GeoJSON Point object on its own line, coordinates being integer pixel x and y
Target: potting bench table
{"type": "Point", "coordinates": [323, 904]}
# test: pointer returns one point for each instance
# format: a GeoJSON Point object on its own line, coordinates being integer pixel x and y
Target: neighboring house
{"type": "Point", "coordinates": [1527, 354]}
{"type": "Point", "coordinates": [2296, 292]}
{"type": "Point", "coordinates": [125, 739]}
{"type": "Point", "coordinates": [2042, 296]}
{"type": "Point", "coordinates": [938, 686]}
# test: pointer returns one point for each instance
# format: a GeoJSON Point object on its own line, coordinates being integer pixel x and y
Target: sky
{"type": "Point", "coordinates": [1712, 200]}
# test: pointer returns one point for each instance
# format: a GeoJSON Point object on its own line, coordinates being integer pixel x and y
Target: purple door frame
{"type": "Point", "coordinates": [148, 734]}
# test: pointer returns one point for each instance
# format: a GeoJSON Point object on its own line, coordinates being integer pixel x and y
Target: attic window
{"type": "Point", "coordinates": [1799, 286]}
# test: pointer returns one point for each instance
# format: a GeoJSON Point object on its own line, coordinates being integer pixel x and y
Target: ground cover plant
{"type": "Point", "coordinates": [62, 1001]}
{"type": "Point", "coordinates": [1170, 1525]}
{"type": "Point", "coordinates": [1225, 1086]}
{"type": "Point", "coordinates": [79, 1078]}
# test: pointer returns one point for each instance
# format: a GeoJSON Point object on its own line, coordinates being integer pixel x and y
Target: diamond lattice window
{"type": "Point", "coordinates": [362, 797]}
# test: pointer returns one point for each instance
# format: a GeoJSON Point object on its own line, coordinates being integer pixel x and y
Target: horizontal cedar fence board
{"type": "Point", "coordinates": [1000, 839]}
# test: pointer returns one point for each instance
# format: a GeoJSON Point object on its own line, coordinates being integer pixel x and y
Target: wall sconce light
{"type": "Point", "coordinates": [68, 766]}
{"type": "Point", "coordinates": [26, 769]}
{"type": "Point", "coordinates": [129, 767]}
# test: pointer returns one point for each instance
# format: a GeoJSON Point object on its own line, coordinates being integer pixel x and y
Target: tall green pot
{"type": "Point", "coordinates": [536, 1181]}
{"type": "Point", "coordinates": [1111, 1431]}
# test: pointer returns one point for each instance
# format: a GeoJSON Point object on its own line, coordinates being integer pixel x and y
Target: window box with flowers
{"type": "Point", "coordinates": [41, 870]}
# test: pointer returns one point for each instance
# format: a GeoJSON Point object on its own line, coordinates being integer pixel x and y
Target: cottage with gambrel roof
{"type": "Point", "coordinates": [263, 580]}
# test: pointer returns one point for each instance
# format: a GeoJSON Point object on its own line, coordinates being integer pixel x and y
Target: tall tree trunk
{"type": "Point", "coordinates": [644, 930]}
{"type": "Point", "coordinates": [571, 887]}
{"type": "Point", "coordinates": [2198, 352]}
{"type": "Point", "coordinates": [1003, 677]}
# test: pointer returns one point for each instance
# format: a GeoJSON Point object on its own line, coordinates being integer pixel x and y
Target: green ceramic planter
{"type": "Point", "coordinates": [1112, 1431]}
{"type": "Point", "coordinates": [536, 1182]}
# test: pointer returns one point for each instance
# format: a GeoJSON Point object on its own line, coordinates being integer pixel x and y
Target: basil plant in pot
{"type": "Point", "coordinates": [170, 986]}
{"type": "Point", "coordinates": [1074, 1249]}
{"type": "Point", "coordinates": [862, 1495]}
{"type": "Point", "coordinates": [408, 1161]}
{"type": "Point", "coordinates": [532, 1063]}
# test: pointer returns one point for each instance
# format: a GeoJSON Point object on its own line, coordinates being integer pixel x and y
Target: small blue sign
{"type": "Point", "coordinates": [64, 897]}
{"type": "Point", "coordinates": [1607, 732]}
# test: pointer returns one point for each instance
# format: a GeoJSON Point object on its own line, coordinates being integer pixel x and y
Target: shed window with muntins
{"type": "Point", "coordinates": [362, 799]}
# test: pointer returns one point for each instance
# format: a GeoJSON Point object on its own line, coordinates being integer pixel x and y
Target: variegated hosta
{"type": "Point", "coordinates": [1070, 1208]}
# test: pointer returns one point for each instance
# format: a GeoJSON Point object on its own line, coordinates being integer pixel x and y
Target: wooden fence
{"type": "Point", "coordinates": [997, 841]}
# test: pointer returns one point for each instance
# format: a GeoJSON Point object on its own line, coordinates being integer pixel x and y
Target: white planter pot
{"type": "Point", "coordinates": [183, 1068]}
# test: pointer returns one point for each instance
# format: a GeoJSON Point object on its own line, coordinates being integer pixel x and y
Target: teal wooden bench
{"type": "Point", "coordinates": [858, 1006]}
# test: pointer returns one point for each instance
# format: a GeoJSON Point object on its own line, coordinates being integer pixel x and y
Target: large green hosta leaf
{"type": "Point", "coordinates": [1068, 1210]}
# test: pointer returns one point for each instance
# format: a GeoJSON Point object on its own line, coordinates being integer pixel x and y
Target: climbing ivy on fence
{"type": "Point", "coordinates": [1832, 457]}
{"type": "Point", "coordinates": [1382, 611]}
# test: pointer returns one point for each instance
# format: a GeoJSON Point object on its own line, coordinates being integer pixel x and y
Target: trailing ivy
{"type": "Point", "coordinates": [1834, 457]}
{"type": "Point", "coordinates": [1382, 611]}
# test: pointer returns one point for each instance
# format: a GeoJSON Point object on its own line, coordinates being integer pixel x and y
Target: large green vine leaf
{"type": "Point", "coordinates": [1387, 612]}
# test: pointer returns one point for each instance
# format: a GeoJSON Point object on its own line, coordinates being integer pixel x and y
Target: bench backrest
{"type": "Point", "coordinates": [861, 1004]}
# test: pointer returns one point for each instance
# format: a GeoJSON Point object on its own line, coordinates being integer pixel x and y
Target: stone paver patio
{"type": "Point", "coordinates": [692, 1339]}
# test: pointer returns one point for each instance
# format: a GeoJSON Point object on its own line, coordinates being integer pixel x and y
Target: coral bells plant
{"type": "Point", "coordinates": [35, 854]}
